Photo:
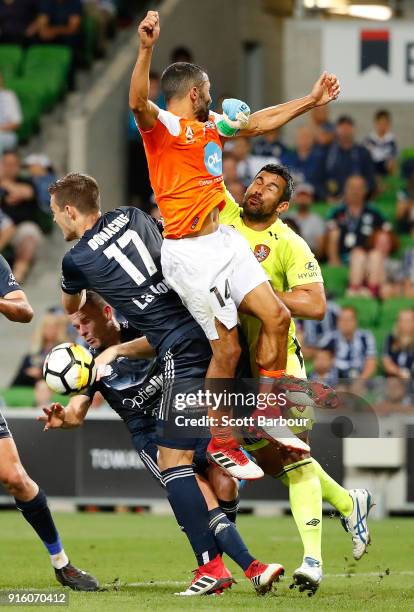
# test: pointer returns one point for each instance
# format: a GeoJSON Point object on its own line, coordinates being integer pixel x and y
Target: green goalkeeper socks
{"type": "Point", "coordinates": [306, 504]}
{"type": "Point", "coordinates": [332, 492]}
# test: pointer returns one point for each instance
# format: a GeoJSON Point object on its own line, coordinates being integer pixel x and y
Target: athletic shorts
{"type": "Point", "coordinates": [143, 430]}
{"type": "Point", "coordinates": [212, 274]}
{"type": "Point", "coordinates": [184, 366]}
{"type": "Point", "coordinates": [4, 428]}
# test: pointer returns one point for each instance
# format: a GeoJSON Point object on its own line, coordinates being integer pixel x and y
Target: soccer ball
{"type": "Point", "coordinates": [69, 368]}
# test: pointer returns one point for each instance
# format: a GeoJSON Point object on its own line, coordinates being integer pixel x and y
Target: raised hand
{"type": "Point", "coordinates": [326, 89]}
{"type": "Point", "coordinates": [149, 30]}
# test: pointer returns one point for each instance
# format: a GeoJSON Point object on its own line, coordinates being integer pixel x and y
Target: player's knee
{"type": "Point", "coordinates": [16, 481]}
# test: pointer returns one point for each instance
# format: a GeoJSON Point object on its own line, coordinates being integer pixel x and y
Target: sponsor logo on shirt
{"type": "Point", "coordinates": [310, 265]}
{"type": "Point", "coordinates": [261, 252]}
{"type": "Point", "coordinates": [213, 158]}
{"type": "Point", "coordinates": [12, 281]}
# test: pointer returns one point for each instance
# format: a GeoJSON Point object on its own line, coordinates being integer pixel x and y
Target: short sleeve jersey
{"type": "Point", "coordinates": [119, 257]}
{"type": "Point", "coordinates": [286, 258]}
{"type": "Point", "coordinates": [185, 166]}
{"type": "Point", "coordinates": [7, 281]}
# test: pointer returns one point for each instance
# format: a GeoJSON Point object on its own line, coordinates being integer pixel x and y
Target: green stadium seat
{"type": "Point", "coordinates": [23, 397]}
{"type": "Point", "coordinates": [48, 56]}
{"type": "Point", "coordinates": [406, 242]}
{"type": "Point", "coordinates": [335, 279]}
{"type": "Point", "coordinates": [387, 209]}
{"type": "Point", "coordinates": [10, 60]}
{"type": "Point", "coordinates": [322, 209]}
{"type": "Point", "coordinates": [390, 309]}
{"type": "Point", "coordinates": [406, 154]}
{"type": "Point", "coordinates": [367, 309]}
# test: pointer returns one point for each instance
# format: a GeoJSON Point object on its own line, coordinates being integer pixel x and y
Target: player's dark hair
{"type": "Point", "coordinates": [181, 54]}
{"type": "Point", "coordinates": [177, 79]}
{"type": "Point", "coordinates": [382, 114]}
{"type": "Point", "coordinates": [284, 173]}
{"type": "Point", "coordinates": [94, 299]}
{"type": "Point", "coordinates": [78, 190]}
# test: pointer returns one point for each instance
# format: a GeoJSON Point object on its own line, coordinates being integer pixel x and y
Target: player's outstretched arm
{"type": "Point", "coordinates": [139, 348]}
{"type": "Point", "coordinates": [15, 307]}
{"type": "Point", "coordinates": [325, 90]}
{"type": "Point", "coordinates": [57, 417]}
{"type": "Point", "coordinates": [145, 111]}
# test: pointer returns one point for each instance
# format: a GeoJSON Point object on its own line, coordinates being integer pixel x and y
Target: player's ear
{"type": "Point", "coordinates": [283, 207]}
{"type": "Point", "coordinates": [108, 312]}
{"type": "Point", "coordinates": [194, 94]}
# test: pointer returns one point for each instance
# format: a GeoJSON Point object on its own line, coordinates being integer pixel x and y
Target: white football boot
{"type": "Point", "coordinates": [357, 522]}
{"type": "Point", "coordinates": [308, 576]}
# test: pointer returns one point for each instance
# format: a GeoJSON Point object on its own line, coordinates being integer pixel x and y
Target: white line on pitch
{"type": "Point", "coordinates": [156, 583]}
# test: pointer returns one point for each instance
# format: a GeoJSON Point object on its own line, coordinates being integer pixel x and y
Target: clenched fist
{"type": "Point", "coordinates": [149, 30]}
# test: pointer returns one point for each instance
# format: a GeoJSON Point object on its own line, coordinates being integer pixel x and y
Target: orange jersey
{"type": "Point", "coordinates": [185, 166]}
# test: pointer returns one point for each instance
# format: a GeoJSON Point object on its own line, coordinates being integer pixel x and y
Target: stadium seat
{"type": "Point", "coordinates": [23, 397]}
{"type": "Point", "coordinates": [48, 56]}
{"type": "Point", "coordinates": [390, 309]}
{"type": "Point", "coordinates": [32, 99]}
{"type": "Point", "coordinates": [367, 309]}
{"type": "Point", "coordinates": [336, 279]}
{"type": "Point", "coordinates": [10, 60]}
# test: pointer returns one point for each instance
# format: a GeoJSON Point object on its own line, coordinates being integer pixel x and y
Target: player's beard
{"type": "Point", "coordinates": [256, 211]}
{"type": "Point", "coordinates": [201, 110]}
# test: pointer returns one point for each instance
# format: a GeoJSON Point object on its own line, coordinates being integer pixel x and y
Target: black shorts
{"type": "Point", "coordinates": [4, 428]}
{"type": "Point", "coordinates": [184, 367]}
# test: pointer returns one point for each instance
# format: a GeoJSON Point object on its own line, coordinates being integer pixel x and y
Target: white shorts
{"type": "Point", "coordinates": [212, 274]}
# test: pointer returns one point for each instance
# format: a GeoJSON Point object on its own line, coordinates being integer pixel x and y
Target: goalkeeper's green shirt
{"type": "Point", "coordinates": [288, 262]}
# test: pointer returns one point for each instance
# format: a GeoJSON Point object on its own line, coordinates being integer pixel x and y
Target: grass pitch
{"type": "Point", "coordinates": [141, 560]}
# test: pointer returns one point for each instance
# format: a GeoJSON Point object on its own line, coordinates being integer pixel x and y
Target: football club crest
{"type": "Point", "coordinates": [261, 252]}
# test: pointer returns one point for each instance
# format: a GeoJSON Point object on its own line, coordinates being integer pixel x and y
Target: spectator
{"type": "Point", "coordinates": [10, 117]}
{"type": "Point", "coordinates": [270, 145]}
{"type": "Point", "coordinates": [313, 331]}
{"type": "Point", "coordinates": [407, 273]}
{"type": "Point", "coordinates": [303, 161]}
{"type": "Point", "coordinates": [181, 54]}
{"type": "Point", "coordinates": [398, 357]}
{"type": "Point", "coordinates": [248, 165]}
{"type": "Point", "coordinates": [18, 21]}
{"type": "Point", "coordinates": [343, 159]}
{"type": "Point", "coordinates": [405, 206]}
{"type": "Point", "coordinates": [324, 369]}
{"type": "Point", "coordinates": [59, 23]}
{"type": "Point", "coordinates": [354, 349]}
{"type": "Point", "coordinates": [51, 331]}
{"type": "Point", "coordinates": [396, 398]}
{"type": "Point", "coordinates": [229, 166]}
{"type": "Point", "coordinates": [351, 225]}
{"type": "Point", "coordinates": [318, 117]}
{"type": "Point", "coordinates": [388, 283]}
{"type": "Point", "coordinates": [7, 230]}
{"type": "Point", "coordinates": [18, 201]}
{"type": "Point", "coordinates": [103, 12]}
{"type": "Point", "coordinates": [382, 144]}
{"type": "Point", "coordinates": [312, 226]}
{"type": "Point", "coordinates": [324, 136]}
{"type": "Point", "coordinates": [42, 174]}
{"type": "Point", "coordinates": [237, 190]}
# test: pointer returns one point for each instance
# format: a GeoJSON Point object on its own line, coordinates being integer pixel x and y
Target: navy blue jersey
{"type": "Point", "coordinates": [133, 386]}
{"type": "Point", "coordinates": [7, 281]}
{"type": "Point", "coordinates": [119, 257]}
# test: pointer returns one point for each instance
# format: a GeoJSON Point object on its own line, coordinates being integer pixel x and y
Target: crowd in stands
{"type": "Point", "coordinates": [33, 76]}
